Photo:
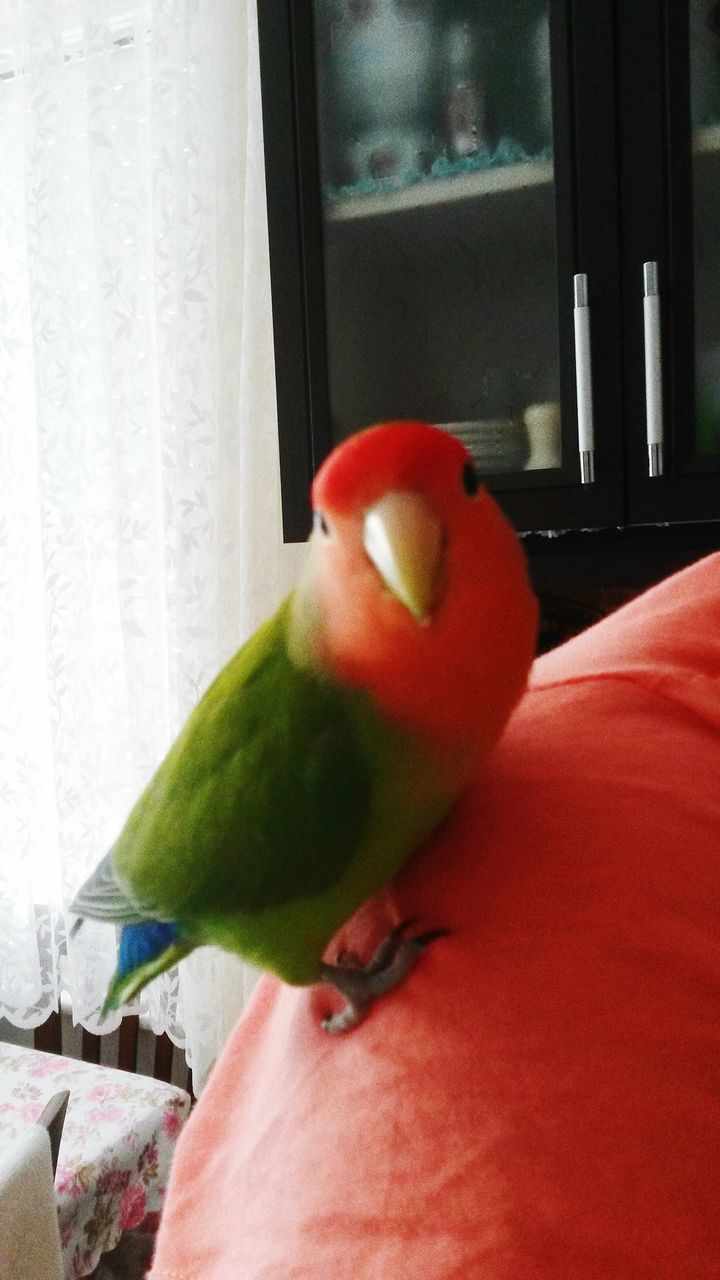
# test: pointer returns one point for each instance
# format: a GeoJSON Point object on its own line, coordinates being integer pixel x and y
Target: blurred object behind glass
{"type": "Point", "coordinates": [378, 77]}
{"type": "Point", "coordinates": [463, 91]}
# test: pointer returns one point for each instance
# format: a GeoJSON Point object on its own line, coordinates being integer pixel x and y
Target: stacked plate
{"type": "Point", "coordinates": [496, 444]}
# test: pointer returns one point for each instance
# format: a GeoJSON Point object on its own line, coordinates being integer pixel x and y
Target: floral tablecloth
{"type": "Point", "coordinates": [117, 1143]}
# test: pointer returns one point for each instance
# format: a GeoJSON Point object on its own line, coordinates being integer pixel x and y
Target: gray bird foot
{"type": "Point", "coordinates": [361, 984]}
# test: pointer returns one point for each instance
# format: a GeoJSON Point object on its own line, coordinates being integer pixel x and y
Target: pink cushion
{"type": "Point", "coordinates": [542, 1097]}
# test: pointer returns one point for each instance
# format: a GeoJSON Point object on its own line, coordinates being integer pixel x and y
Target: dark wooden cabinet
{"type": "Point", "coordinates": [500, 215]}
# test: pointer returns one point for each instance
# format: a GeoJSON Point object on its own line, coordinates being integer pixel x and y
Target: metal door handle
{"type": "Point", "coordinates": [653, 368]}
{"type": "Point", "coordinates": [583, 378]}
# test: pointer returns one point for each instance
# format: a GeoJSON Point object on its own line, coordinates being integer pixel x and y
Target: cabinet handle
{"type": "Point", "coordinates": [653, 368]}
{"type": "Point", "coordinates": [583, 378]}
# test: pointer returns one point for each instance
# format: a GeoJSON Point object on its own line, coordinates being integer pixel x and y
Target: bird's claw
{"type": "Point", "coordinates": [362, 984]}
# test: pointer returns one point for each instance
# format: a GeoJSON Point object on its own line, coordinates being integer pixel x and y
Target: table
{"type": "Point", "coordinates": [117, 1143]}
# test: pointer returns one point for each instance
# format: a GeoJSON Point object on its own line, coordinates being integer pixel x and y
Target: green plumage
{"type": "Point", "coordinates": [283, 804]}
{"type": "Point", "coordinates": [269, 760]}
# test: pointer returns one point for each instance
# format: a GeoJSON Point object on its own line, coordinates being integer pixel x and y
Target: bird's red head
{"type": "Point", "coordinates": [409, 456]}
{"type": "Point", "coordinates": [420, 583]}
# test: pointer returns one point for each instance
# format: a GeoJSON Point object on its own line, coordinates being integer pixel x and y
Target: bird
{"type": "Point", "coordinates": [338, 738]}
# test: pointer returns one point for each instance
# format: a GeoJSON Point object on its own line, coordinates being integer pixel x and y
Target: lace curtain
{"type": "Point", "coordinates": [140, 536]}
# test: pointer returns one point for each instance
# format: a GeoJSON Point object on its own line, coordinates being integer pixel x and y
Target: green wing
{"type": "Point", "coordinates": [263, 798]}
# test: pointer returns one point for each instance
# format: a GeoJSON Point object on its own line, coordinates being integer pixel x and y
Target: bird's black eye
{"type": "Point", "coordinates": [319, 522]}
{"type": "Point", "coordinates": [470, 479]}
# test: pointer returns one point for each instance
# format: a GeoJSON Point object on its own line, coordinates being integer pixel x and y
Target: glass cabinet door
{"type": "Point", "coordinates": [444, 236]}
{"type": "Point", "coordinates": [671, 167]}
{"type": "Point", "coordinates": [667, 68]}
{"type": "Point", "coordinates": [435, 137]}
{"type": "Point", "coordinates": [704, 31]}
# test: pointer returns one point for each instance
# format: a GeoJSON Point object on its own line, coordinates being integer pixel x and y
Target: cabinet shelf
{"type": "Point", "coordinates": [434, 192]}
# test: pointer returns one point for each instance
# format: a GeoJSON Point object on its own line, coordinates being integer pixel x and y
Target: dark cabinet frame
{"type": "Point", "coordinates": [295, 231]}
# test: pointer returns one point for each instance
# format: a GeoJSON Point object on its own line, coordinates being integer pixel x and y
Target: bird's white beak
{"type": "Point", "coordinates": [404, 539]}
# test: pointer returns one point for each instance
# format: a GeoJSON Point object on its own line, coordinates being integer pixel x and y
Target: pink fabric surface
{"type": "Point", "coordinates": [542, 1097]}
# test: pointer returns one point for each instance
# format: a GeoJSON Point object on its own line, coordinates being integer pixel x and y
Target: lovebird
{"type": "Point", "coordinates": [338, 738]}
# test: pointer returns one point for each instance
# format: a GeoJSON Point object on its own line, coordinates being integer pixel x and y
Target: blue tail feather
{"type": "Point", "coordinates": [142, 943]}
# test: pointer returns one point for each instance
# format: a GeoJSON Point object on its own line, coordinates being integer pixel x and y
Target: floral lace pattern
{"type": "Point", "coordinates": [117, 1143]}
{"type": "Point", "coordinates": [140, 537]}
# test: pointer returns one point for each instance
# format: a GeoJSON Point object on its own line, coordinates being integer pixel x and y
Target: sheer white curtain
{"type": "Point", "coordinates": [140, 537]}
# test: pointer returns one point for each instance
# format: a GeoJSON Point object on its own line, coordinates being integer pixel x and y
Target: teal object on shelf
{"type": "Point", "coordinates": [508, 152]}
